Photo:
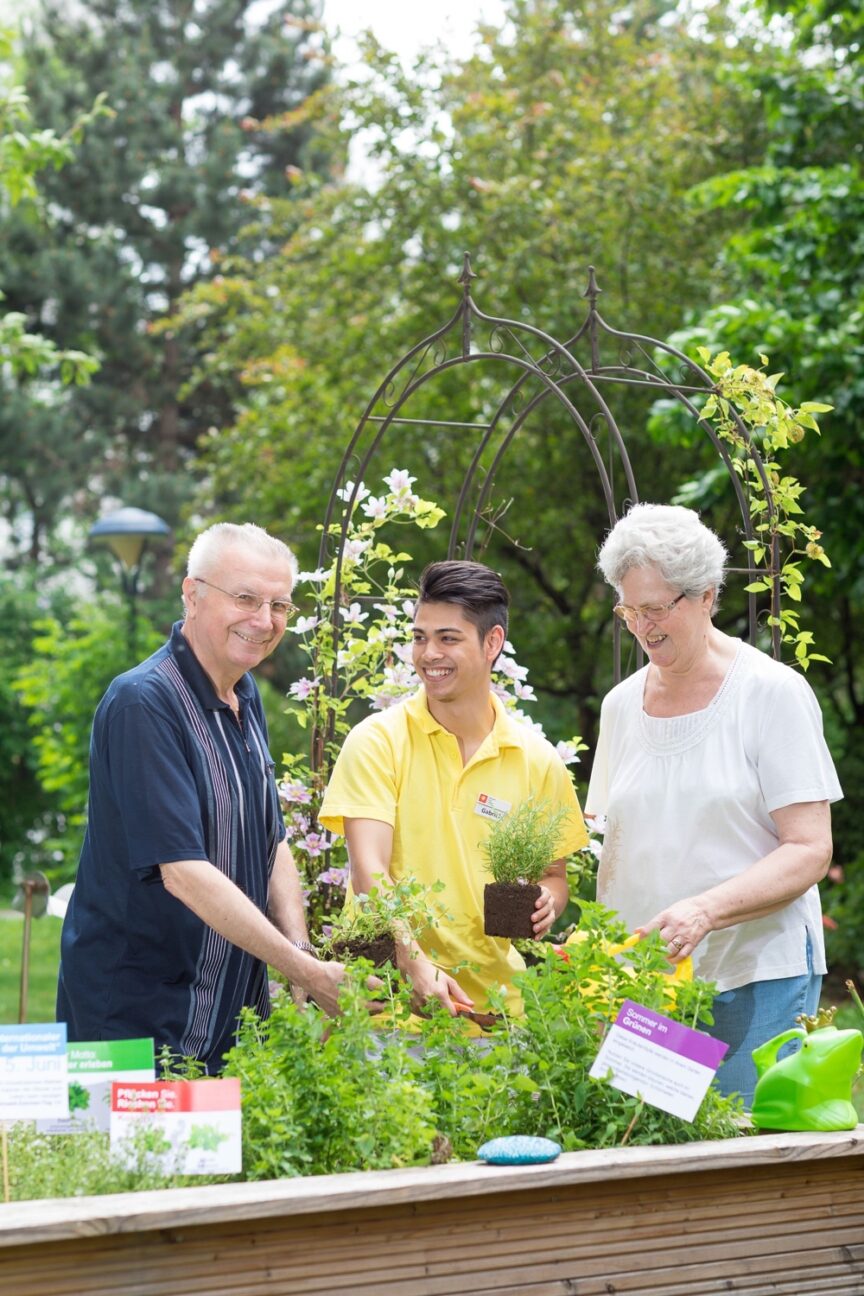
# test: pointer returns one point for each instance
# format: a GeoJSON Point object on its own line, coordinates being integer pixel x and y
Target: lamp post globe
{"type": "Point", "coordinates": [126, 532]}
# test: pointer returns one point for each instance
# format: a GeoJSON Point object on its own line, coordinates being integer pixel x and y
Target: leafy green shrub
{"type": "Point", "coordinates": [321, 1097]}
{"type": "Point", "coordinates": [81, 1165]}
{"type": "Point", "coordinates": [70, 667]}
{"type": "Point", "coordinates": [844, 912]}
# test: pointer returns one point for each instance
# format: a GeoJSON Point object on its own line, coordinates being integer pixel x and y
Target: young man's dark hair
{"type": "Point", "coordinates": [477, 589]}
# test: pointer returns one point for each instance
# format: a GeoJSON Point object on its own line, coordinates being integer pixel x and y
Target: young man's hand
{"type": "Point", "coordinates": [544, 913]}
{"type": "Point", "coordinates": [429, 982]}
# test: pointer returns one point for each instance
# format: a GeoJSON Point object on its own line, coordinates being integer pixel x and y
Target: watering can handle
{"type": "Point", "coordinates": [766, 1054]}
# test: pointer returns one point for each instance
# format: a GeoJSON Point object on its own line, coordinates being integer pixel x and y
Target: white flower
{"type": "Point", "coordinates": [528, 722]}
{"type": "Point", "coordinates": [304, 624]}
{"type": "Point", "coordinates": [354, 548]}
{"type": "Point", "coordinates": [347, 490]}
{"type": "Point", "coordinates": [375, 507]}
{"type": "Point", "coordinates": [507, 666]}
{"type": "Point", "coordinates": [316, 577]}
{"type": "Point", "coordinates": [390, 612]}
{"type": "Point", "coordinates": [524, 692]}
{"type": "Point", "coordinates": [405, 652]}
{"type": "Point", "coordinates": [301, 688]}
{"type": "Point", "coordinates": [353, 614]}
{"type": "Point", "coordinates": [567, 752]}
{"type": "Point", "coordinates": [398, 482]}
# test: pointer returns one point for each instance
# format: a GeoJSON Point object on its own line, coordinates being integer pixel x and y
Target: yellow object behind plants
{"type": "Point", "coordinates": [599, 996]}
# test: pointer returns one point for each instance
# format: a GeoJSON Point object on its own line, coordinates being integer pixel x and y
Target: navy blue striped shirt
{"type": "Point", "coordinates": [173, 775]}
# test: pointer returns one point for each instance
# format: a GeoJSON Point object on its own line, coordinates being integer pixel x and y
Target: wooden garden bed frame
{"type": "Point", "coordinates": [781, 1213]}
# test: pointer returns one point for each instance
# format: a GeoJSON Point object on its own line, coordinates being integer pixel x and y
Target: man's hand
{"type": "Point", "coordinates": [429, 982]}
{"type": "Point", "coordinates": [324, 983]}
{"type": "Point", "coordinates": [544, 914]}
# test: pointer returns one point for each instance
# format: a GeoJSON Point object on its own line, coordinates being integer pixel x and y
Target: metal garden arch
{"type": "Point", "coordinates": [579, 374]}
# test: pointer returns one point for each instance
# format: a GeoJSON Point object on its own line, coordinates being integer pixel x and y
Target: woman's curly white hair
{"type": "Point", "coordinates": [688, 555]}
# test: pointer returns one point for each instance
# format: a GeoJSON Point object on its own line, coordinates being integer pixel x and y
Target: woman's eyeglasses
{"type": "Point", "coordinates": [647, 611]}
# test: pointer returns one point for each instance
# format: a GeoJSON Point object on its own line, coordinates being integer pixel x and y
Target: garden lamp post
{"type": "Point", "coordinates": [126, 532]}
{"type": "Point", "coordinates": [31, 899]}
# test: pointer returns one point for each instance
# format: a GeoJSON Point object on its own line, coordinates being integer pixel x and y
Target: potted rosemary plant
{"type": "Point", "coordinates": [519, 849]}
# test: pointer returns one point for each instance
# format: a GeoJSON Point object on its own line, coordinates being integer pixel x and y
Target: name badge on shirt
{"type": "Point", "coordinates": [490, 807]}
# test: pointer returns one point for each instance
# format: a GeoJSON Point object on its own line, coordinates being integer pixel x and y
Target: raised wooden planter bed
{"type": "Point", "coordinates": [774, 1214]}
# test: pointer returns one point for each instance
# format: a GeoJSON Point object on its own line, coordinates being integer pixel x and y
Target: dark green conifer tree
{"type": "Point", "coordinates": [153, 202]}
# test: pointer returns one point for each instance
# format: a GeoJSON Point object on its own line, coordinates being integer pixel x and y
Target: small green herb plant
{"type": "Point", "coordinates": [521, 846]}
{"type": "Point", "coordinates": [401, 909]}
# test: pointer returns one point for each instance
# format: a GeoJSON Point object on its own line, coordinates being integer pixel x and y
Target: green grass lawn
{"type": "Point", "coordinates": [44, 958]}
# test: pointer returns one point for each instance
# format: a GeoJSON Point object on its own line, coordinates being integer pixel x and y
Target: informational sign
{"type": "Point", "coordinates": [33, 1071]}
{"type": "Point", "coordinates": [660, 1060]}
{"type": "Point", "coordinates": [189, 1126]}
{"type": "Point", "coordinates": [92, 1069]}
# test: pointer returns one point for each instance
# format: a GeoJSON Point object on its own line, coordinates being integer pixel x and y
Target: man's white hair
{"type": "Point", "coordinates": [688, 555]}
{"type": "Point", "coordinates": [210, 547]}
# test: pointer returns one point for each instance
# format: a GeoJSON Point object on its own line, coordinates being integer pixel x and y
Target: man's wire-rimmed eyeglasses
{"type": "Point", "coordinates": [282, 609]}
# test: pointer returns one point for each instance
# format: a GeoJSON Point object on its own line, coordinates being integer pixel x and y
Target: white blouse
{"type": "Point", "coordinates": [688, 802]}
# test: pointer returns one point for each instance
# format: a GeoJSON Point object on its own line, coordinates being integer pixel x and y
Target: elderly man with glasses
{"type": "Point", "coordinates": [186, 888]}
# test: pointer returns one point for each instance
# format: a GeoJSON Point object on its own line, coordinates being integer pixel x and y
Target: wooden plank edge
{"type": "Point", "coordinates": [31, 1223]}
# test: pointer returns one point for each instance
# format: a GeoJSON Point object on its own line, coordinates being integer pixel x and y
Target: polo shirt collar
{"type": "Point", "coordinates": [196, 676]}
{"type": "Point", "coordinates": [503, 733]}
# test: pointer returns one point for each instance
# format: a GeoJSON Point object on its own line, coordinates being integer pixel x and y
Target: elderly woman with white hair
{"type": "Point", "coordinates": [715, 780]}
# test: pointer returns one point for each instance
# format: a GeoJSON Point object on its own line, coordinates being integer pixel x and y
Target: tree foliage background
{"type": "Point", "coordinates": [245, 299]}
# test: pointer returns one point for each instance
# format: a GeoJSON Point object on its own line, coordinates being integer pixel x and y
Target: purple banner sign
{"type": "Point", "coordinates": [672, 1035]}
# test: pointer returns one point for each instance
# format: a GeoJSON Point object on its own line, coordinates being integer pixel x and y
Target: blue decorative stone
{"type": "Point", "coordinates": [519, 1149]}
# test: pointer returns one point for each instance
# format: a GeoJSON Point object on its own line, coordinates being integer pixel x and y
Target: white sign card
{"type": "Point", "coordinates": [33, 1071]}
{"type": "Point", "coordinates": [659, 1060]}
{"type": "Point", "coordinates": [199, 1121]}
{"type": "Point", "coordinates": [92, 1068]}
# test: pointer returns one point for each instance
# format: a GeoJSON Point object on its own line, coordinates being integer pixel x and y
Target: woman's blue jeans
{"type": "Point", "coordinates": [751, 1015]}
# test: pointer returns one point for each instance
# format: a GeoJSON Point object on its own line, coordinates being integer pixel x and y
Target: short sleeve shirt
{"type": "Point", "coordinates": [174, 775]}
{"type": "Point", "coordinates": [405, 769]}
{"type": "Point", "coordinates": [688, 803]}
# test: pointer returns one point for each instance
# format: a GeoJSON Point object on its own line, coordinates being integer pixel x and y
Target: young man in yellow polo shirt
{"type": "Point", "coordinates": [414, 787]}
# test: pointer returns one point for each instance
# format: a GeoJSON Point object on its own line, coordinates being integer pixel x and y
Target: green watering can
{"type": "Point", "coordinates": [812, 1088]}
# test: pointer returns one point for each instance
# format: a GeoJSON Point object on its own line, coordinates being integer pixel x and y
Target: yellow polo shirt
{"type": "Point", "coordinates": [403, 768]}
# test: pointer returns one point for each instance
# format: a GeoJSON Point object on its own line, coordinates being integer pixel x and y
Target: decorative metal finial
{"type": "Point", "coordinates": [592, 292]}
{"type": "Point", "coordinates": [467, 273]}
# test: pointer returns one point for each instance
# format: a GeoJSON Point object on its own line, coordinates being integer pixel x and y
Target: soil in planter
{"type": "Point", "coordinates": [379, 951]}
{"type": "Point", "coordinates": [507, 909]}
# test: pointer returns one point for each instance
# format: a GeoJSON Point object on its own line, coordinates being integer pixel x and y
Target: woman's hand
{"type": "Point", "coordinates": [682, 926]}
